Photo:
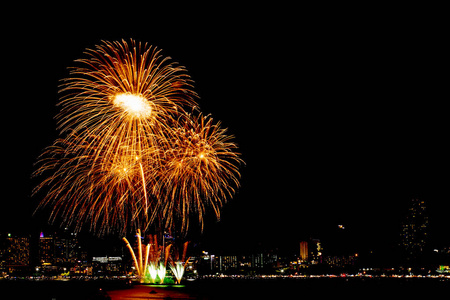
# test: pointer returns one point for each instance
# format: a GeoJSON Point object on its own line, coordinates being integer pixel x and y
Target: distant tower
{"type": "Point", "coordinates": [414, 231]}
{"type": "Point", "coordinates": [304, 251]}
{"type": "Point", "coordinates": [46, 250]}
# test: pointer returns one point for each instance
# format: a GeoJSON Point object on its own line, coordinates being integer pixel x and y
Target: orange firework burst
{"type": "Point", "coordinates": [126, 94]}
{"type": "Point", "coordinates": [200, 170]}
{"type": "Point", "coordinates": [130, 153]}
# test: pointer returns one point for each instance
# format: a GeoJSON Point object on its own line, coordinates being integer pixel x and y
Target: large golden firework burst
{"type": "Point", "coordinates": [129, 152]}
{"type": "Point", "coordinates": [126, 94]}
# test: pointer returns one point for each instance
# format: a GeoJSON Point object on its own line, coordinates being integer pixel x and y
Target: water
{"type": "Point", "coordinates": [57, 290]}
{"type": "Point", "coordinates": [323, 288]}
{"type": "Point", "coordinates": [220, 289]}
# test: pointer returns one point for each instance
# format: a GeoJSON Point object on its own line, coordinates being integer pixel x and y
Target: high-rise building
{"type": "Point", "coordinates": [414, 231]}
{"type": "Point", "coordinates": [66, 248]}
{"type": "Point", "coordinates": [19, 251]}
{"type": "Point", "coordinates": [304, 251]}
{"type": "Point", "coordinates": [46, 250]}
{"type": "Point", "coordinates": [59, 250]}
{"type": "Point", "coordinates": [258, 261]}
{"type": "Point", "coordinates": [14, 253]}
{"type": "Point", "coordinates": [226, 263]}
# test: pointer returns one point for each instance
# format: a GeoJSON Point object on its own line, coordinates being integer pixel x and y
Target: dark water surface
{"type": "Point", "coordinates": [322, 288]}
{"type": "Point", "coordinates": [57, 290]}
{"type": "Point", "coordinates": [212, 289]}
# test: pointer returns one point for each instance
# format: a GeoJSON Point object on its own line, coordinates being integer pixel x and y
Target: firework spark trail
{"type": "Point", "coordinates": [129, 151]}
{"type": "Point", "coordinates": [140, 265]}
{"type": "Point", "coordinates": [108, 193]}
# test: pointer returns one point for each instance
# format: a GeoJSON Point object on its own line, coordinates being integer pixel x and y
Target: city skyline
{"type": "Point", "coordinates": [68, 254]}
{"type": "Point", "coordinates": [412, 246]}
{"type": "Point", "coordinates": [367, 137]}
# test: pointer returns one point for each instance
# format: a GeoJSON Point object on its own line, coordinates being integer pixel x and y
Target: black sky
{"type": "Point", "coordinates": [340, 112]}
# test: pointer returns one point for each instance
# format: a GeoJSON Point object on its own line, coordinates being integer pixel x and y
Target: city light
{"type": "Point", "coordinates": [62, 257]}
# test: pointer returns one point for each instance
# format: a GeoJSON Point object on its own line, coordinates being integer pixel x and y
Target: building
{"type": "Point", "coordinates": [66, 249]}
{"type": "Point", "coordinates": [341, 261]}
{"type": "Point", "coordinates": [60, 250]}
{"type": "Point", "coordinates": [413, 235]}
{"type": "Point", "coordinates": [258, 263]}
{"type": "Point", "coordinates": [304, 251]}
{"type": "Point", "coordinates": [14, 253]}
{"type": "Point", "coordinates": [46, 250]}
{"type": "Point", "coordinates": [226, 263]}
{"type": "Point", "coordinates": [104, 266]}
{"type": "Point", "coordinates": [265, 261]}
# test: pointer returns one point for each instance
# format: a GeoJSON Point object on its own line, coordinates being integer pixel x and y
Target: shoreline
{"type": "Point", "coordinates": [128, 280]}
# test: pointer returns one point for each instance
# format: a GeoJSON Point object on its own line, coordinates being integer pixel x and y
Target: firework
{"type": "Point", "coordinates": [155, 265]}
{"type": "Point", "coordinates": [129, 152]}
{"type": "Point", "coordinates": [199, 170]}
{"type": "Point", "coordinates": [117, 109]}
{"type": "Point", "coordinates": [109, 193]}
{"type": "Point", "coordinates": [140, 266]}
{"type": "Point", "coordinates": [177, 263]}
{"type": "Point", "coordinates": [161, 272]}
{"type": "Point", "coordinates": [121, 101]}
{"type": "Point", "coordinates": [127, 94]}
{"type": "Point", "coordinates": [147, 261]}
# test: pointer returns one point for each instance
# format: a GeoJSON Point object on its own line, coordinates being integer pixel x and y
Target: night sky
{"type": "Point", "coordinates": [340, 113]}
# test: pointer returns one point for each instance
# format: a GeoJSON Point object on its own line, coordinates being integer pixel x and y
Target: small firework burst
{"type": "Point", "coordinates": [199, 170]}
